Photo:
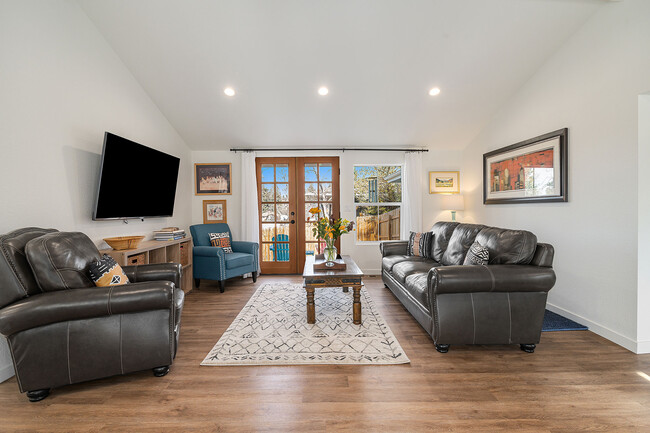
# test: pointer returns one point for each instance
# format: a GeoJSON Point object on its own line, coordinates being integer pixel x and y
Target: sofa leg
{"type": "Point", "coordinates": [528, 348]}
{"type": "Point", "coordinates": [197, 282]}
{"type": "Point", "coordinates": [222, 285]}
{"type": "Point", "coordinates": [255, 277]}
{"type": "Point", "coordinates": [38, 395]}
{"type": "Point", "coordinates": [161, 371]}
{"type": "Point", "coordinates": [442, 348]}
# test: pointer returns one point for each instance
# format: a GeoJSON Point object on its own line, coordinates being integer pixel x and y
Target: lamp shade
{"type": "Point", "coordinates": [453, 202]}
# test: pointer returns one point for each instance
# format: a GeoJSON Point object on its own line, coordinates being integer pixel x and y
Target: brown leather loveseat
{"type": "Point", "coordinates": [502, 302]}
{"type": "Point", "coordinates": [61, 329]}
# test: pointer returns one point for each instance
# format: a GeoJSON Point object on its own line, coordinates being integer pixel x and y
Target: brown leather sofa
{"type": "Point", "coordinates": [499, 303]}
{"type": "Point", "coordinates": [61, 329]}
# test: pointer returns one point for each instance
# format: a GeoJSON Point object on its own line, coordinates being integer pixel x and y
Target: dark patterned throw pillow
{"type": "Point", "coordinates": [221, 240]}
{"type": "Point", "coordinates": [420, 244]}
{"type": "Point", "coordinates": [106, 272]}
{"type": "Point", "coordinates": [477, 255]}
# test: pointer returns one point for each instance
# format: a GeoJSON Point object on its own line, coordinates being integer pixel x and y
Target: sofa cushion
{"type": "Point", "coordinates": [420, 244]}
{"type": "Point", "coordinates": [107, 272]}
{"type": "Point", "coordinates": [442, 232]}
{"type": "Point", "coordinates": [16, 277]}
{"type": "Point", "coordinates": [61, 260]}
{"type": "Point", "coordinates": [236, 260]}
{"type": "Point", "coordinates": [508, 247]}
{"type": "Point", "coordinates": [463, 237]}
{"type": "Point", "coordinates": [477, 255]}
{"type": "Point", "coordinates": [388, 262]}
{"type": "Point", "coordinates": [416, 285]}
{"type": "Point", "coordinates": [404, 269]}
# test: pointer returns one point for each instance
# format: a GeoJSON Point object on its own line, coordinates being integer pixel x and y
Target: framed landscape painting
{"type": "Point", "coordinates": [212, 179]}
{"type": "Point", "coordinates": [214, 211]}
{"type": "Point", "coordinates": [531, 171]}
{"type": "Point", "coordinates": [444, 182]}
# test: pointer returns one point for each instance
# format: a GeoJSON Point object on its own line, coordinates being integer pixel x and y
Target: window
{"type": "Point", "coordinates": [378, 199]}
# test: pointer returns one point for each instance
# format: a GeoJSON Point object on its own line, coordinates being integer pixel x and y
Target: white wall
{"type": "Point", "coordinates": [61, 87]}
{"type": "Point", "coordinates": [591, 86]}
{"type": "Point", "coordinates": [643, 296]}
{"type": "Point", "coordinates": [366, 256]}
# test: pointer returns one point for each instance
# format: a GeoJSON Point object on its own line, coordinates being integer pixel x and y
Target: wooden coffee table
{"type": "Point", "coordinates": [350, 277]}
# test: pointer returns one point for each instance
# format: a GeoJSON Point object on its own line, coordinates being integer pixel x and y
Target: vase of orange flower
{"type": "Point", "coordinates": [330, 229]}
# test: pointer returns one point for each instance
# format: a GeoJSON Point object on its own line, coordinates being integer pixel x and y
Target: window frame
{"type": "Point", "coordinates": [356, 205]}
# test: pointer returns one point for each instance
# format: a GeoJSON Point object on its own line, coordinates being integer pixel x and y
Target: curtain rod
{"type": "Point", "coordinates": [339, 149]}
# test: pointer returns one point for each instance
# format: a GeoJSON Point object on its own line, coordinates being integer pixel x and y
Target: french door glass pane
{"type": "Point", "coordinates": [282, 212]}
{"type": "Point", "coordinates": [267, 192]}
{"type": "Point", "coordinates": [311, 192]}
{"type": "Point", "coordinates": [283, 232]}
{"type": "Point", "coordinates": [267, 253]}
{"type": "Point", "coordinates": [282, 172]}
{"type": "Point", "coordinates": [325, 192]}
{"type": "Point", "coordinates": [311, 173]}
{"type": "Point", "coordinates": [267, 173]}
{"type": "Point", "coordinates": [268, 212]}
{"type": "Point", "coordinates": [308, 215]}
{"type": "Point", "coordinates": [268, 232]}
{"type": "Point", "coordinates": [282, 192]}
{"type": "Point", "coordinates": [325, 172]}
{"type": "Point", "coordinates": [309, 232]}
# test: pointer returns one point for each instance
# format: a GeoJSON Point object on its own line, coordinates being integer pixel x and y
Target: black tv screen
{"type": "Point", "coordinates": [135, 181]}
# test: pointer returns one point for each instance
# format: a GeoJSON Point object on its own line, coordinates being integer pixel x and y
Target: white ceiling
{"type": "Point", "coordinates": [379, 59]}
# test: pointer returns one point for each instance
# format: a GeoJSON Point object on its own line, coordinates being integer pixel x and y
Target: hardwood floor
{"type": "Point", "coordinates": [575, 381]}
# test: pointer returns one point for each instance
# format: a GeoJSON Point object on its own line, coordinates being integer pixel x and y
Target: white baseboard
{"type": "Point", "coordinates": [6, 372]}
{"type": "Point", "coordinates": [603, 331]}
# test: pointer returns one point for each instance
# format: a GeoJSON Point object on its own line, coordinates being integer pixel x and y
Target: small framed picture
{"type": "Point", "coordinates": [444, 182]}
{"type": "Point", "coordinates": [214, 211]}
{"type": "Point", "coordinates": [212, 179]}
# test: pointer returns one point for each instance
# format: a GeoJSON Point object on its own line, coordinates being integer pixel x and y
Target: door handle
{"type": "Point", "coordinates": [293, 221]}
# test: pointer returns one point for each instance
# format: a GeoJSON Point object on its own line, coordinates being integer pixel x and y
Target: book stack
{"type": "Point", "coordinates": [169, 234]}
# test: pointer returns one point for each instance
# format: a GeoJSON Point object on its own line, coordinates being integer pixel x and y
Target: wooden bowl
{"type": "Point", "coordinates": [124, 242]}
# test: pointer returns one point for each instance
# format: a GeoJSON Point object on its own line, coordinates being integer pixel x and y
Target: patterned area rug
{"type": "Point", "coordinates": [272, 329]}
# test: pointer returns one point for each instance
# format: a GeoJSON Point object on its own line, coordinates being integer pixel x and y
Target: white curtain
{"type": "Point", "coordinates": [250, 220]}
{"type": "Point", "coordinates": [411, 214]}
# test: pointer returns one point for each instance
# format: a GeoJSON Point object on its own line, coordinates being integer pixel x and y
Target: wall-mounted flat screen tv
{"type": "Point", "coordinates": [135, 181]}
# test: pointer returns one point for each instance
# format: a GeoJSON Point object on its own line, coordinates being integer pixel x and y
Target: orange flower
{"type": "Point", "coordinates": [314, 211]}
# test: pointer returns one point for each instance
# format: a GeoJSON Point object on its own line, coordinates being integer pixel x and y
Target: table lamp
{"type": "Point", "coordinates": [453, 202]}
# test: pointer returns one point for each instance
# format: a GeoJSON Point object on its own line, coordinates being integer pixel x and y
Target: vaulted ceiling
{"type": "Point", "coordinates": [379, 58]}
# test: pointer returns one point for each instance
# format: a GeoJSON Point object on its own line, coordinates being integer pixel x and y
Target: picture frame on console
{"type": "Point", "coordinates": [530, 171]}
{"type": "Point", "coordinates": [214, 211]}
{"type": "Point", "coordinates": [212, 179]}
{"type": "Point", "coordinates": [444, 182]}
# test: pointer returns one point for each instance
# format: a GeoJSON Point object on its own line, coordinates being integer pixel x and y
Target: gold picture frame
{"type": "Point", "coordinates": [213, 179]}
{"type": "Point", "coordinates": [214, 211]}
{"type": "Point", "coordinates": [444, 182]}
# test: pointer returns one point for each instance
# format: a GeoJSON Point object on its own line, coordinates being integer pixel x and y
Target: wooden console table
{"type": "Point", "coordinates": [350, 277]}
{"type": "Point", "coordinates": [150, 252]}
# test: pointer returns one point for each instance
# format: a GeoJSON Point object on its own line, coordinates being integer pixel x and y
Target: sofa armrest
{"type": "Point", "coordinates": [77, 304]}
{"type": "Point", "coordinates": [245, 247]}
{"type": "Point", "coordinates": [154, 272]}
{"type": "Point", "coordinates": [393, 248]}
{"type": "Point", "coordinates": [209, 252]}
{"type": "Point", "coordinates": [491, 278]}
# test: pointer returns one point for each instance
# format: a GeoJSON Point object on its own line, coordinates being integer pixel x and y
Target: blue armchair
{"type": "Point", "coordinates": [212, 263]}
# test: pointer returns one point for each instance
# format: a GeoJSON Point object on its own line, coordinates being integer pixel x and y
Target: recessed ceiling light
{"type": "Point", "coordinates": [323, 91]}
{"type": "Point", "coordinates": [229, 91]}
{"type": "Point", "coordinates": [435, 91]}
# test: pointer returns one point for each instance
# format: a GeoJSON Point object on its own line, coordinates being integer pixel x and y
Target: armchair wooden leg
{"type": "Point", "coordinates": [37, 395]}
{"type": "Point", "coordinates": [222, 285]}
{"type": "Point", "coordinates": [255, 277]}
{"type": "Point", "coordinates": [197, 282]}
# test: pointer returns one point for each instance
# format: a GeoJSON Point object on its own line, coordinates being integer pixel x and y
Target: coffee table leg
{"type": "Point", "coordinates": [311, 307]}
{"type": "Point", "coordinates": [345, 289]}
{"type": "Point", "coordinates": [356, 306]}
